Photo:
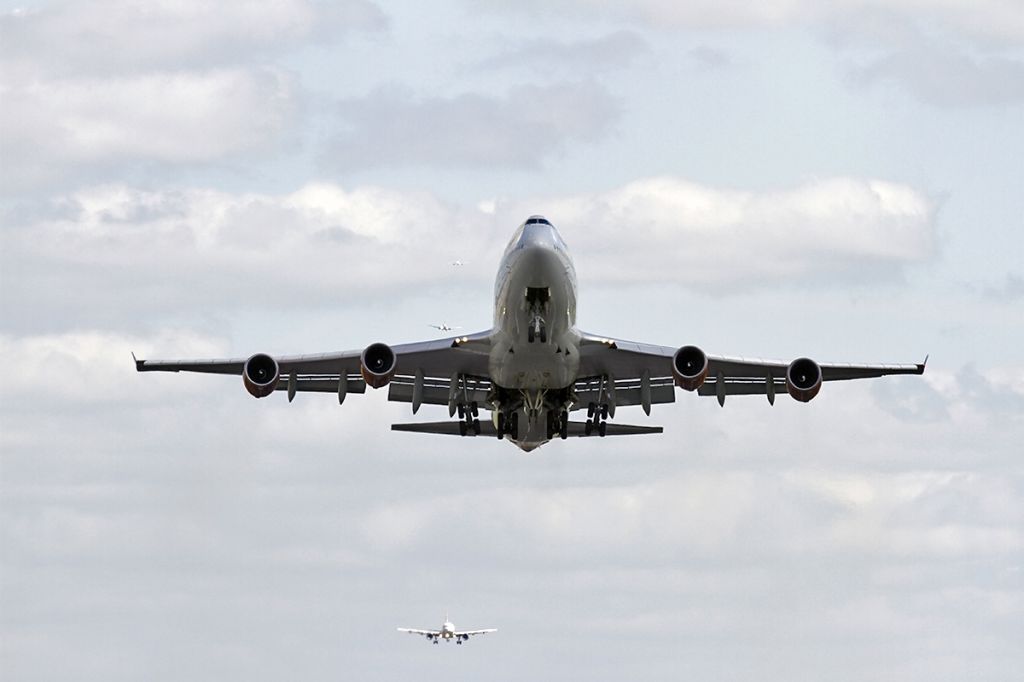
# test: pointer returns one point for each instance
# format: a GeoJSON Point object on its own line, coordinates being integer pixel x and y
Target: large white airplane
{"type": "Point", "coordinates": [447, 632]}
{"type": "Point", "coordinates": [533, 367]}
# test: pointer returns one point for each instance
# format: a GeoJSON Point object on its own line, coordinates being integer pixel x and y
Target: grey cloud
{"type": "Point", "coordinates": [710, 57]}
{"type": "Point", "coordinates": [1011, 289]}
{"type": "Point", "coordinates": [522, 129]}
{"type": "Point", "coordinates": [612, 51]}
{"type": "Point", "coordinates": [946, 77]}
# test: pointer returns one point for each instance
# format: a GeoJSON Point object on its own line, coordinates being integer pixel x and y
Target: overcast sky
{"type": "Point", "coordinates": [835, 179]}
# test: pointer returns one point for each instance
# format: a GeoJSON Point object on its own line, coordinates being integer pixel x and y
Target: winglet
{"type": "Point", "coordinates": [138, 363]}
{"type": "Point", "coordinates": [920, 368]}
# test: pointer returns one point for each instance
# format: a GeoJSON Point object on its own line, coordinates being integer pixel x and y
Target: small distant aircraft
{"type": "Point", "coordinates": [444, 326]}
{"type": "Point", "coordinates": [458, 263]}
{"type": "Point", "coordinates": [447, 632]}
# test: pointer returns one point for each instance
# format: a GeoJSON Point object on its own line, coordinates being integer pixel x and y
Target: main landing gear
{"type": "Point", "coordinates": [470, 424]}
{"type": "Point", "coordinates": [597, 419]}
{"type": "Point", "coordinates": [508, 423]}
{"type": "Point", "coordinates": [558, 424]}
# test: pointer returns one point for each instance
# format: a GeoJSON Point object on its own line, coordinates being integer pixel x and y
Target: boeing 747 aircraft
{"type": "Point", "coordinates": [533, 367]}
{"type": "Point", "coordinates": [447, 632]}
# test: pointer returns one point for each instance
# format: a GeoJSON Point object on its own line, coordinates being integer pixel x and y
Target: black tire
{"type": "Point", "coordinates": [591, 409]}
{"type": "Point", "coordinates": [529, 334]}
{"type": "Point", "coordinates": [604, 411]}
{"type": "Point", "coordinates": [462, 411]}
{"type": "Point", "coordinates": [476, 427]}
{"type": "Point", "coordinates": [564, 426]}
{"type": "Point", "coordinates": [603, 429]}
{"type": "Point", "coordinates": [462, 428]}
{"type": "Point", "coordinates": [514, 431]}
{"type": "Point", "coordinates": [588, 428]}
{"type": "Point", "coordinates": [543, 334]}
{"type": "Point", "coordinates": [474, 409]}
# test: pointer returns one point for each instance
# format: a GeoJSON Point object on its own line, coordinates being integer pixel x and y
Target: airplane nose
{"type": "Point", "coordinates": [538, 236]}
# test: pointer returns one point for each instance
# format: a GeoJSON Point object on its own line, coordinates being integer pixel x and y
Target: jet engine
{"type": "Point", "coordinates": [690, 367]}
{"type": "Point", "coordinates": [377, 364]}
{"type": "Point", "coordinates": [803, 379]}
{"type": "Point", "coordinates": [260, 375]}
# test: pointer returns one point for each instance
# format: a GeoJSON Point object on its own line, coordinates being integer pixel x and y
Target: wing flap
{"type": "Point", "coordinates": [576, 429]}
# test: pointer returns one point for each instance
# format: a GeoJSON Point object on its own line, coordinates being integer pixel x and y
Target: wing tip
{"type": "Point", "coordinates": [139, 364]}
{"type": "Point", "coordinates": [923, 365]}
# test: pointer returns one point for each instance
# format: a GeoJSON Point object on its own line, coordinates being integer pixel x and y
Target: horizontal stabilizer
{"type": "Point", "coordinates": [576, 429]}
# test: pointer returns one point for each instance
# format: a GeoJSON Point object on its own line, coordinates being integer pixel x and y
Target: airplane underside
{"type": "Point", "coordinates": [529, 418]}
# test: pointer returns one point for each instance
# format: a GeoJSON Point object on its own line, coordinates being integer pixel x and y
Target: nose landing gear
{"type": "Point", "coordinates": [536, 301]}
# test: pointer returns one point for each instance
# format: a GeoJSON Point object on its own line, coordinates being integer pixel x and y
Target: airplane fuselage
{"type": "Point", "coordinates": [534, 354]}
{"type": "Point", "coordinates": [535, 287]}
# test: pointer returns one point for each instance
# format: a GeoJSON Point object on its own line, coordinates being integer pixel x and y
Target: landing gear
{"type": "Point", "coordinates": [469, 425]}
{"type": "Point", "coordinates": [536, 300]}
{"type": "Point", "coordinates": [538, 329]}
{"type": "Point", "coordinates": [558, 424]}
{"type": "Point", "coordinates": [597, 416]}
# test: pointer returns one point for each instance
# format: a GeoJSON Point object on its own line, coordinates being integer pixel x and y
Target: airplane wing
{"type": "Point", "coordinates": [425, 633]}
{"type": "Point", "coordinates": [641, 374]}
{"type": "Point", "coordinates": [469, 633]}
{"type": "Point", "coordinates": [436, 361]}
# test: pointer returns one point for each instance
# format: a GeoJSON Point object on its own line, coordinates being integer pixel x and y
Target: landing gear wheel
{"type": "Point", "coordinates": [529, 334]}
{"type": "Point", "coordinates": [514, 429]}
{"type": "Point", "coordinates": [588, 428]}
{"type": "Point", "coordinates": [476, 427]}
{"type": "Point", "coordinates": [543, 334]}
{"type": "Point", "coordinates": [502, 425]}
{"type": "Point", "coordinates": [564, 427]}
{"type": "Point", "coordinates": [462, 411]}
{"type": "Point", "coordinates": [603, 429]}
{"type": "Point", "coordinates": [473, 408]}
{"type": "Point", "coordinates": [604, 411]}
{"type": "Point", "coordinates": [462, 432]}
{"type": "Point", "coordinates": [591, 409]}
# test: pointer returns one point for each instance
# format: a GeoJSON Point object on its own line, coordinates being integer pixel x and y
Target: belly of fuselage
{"type": "Point", "coordinates": [524, 360]}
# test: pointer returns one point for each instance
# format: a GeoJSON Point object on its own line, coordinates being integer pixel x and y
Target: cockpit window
{"type": "Point", "coordinates": [537, 220]}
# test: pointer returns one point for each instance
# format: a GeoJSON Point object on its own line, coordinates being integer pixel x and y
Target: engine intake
{"type": "Point", "coordinates": [260, 375]}
{"type": "Point", "coordinates": [377, 364]}
{"type": "Point", "coordinates": [803, 379]}
{"type": "Point", "coordinates": [689, 367]}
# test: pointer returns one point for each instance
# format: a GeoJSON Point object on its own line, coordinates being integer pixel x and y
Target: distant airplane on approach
{"type": "Point", "coordinates": [444, 327]}
{"type": "Point", "coordinates": [534, 366]}
{"type": "Point", "coordinates": [458, 263]}
{"type": "Point", "coordinates": [447, 632]}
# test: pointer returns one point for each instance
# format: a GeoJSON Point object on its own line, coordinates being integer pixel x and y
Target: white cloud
{"type": "Point", "coordinates": [124, 36]}
{"type": "Point", "coordinates": [719, 239]}
{"type": "Point", "coordinates": [985, 19]}
{"type": "Point", "coordinates": [145, 248]}
{"type": "Point", "coordinates": [51, 127]}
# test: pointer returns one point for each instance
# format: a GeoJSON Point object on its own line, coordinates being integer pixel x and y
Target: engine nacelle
{"type": "Point", "coordinates": [377, 364]}
{"type": "Point", "coordinates": [803, 379]}
{"type": "Point", "coordinates": [690, 367]}
{"type": "Point", "coordinates": [260, 375]}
